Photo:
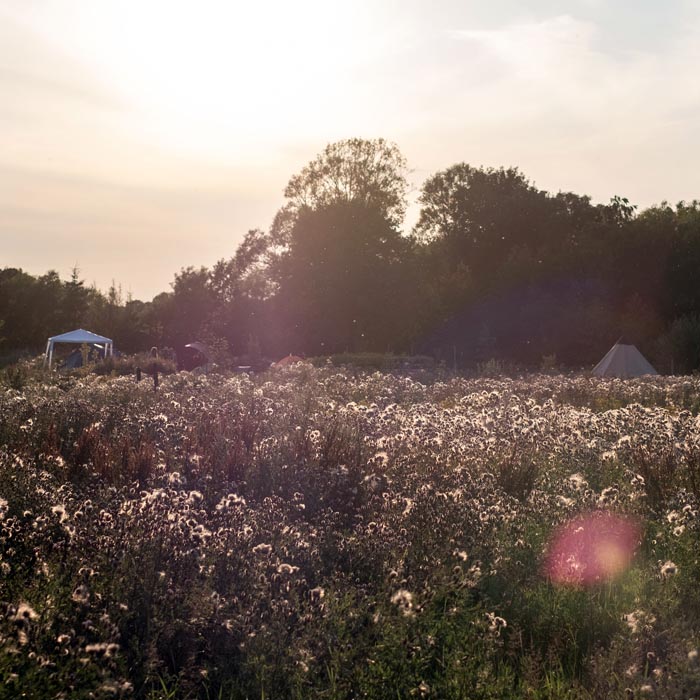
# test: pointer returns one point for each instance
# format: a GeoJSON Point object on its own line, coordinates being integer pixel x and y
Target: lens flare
{"type": "Point", "coordinates": [591, 549]}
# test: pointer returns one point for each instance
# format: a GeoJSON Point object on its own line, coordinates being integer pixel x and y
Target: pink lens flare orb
{"type": "Point", "coordinates": [592, 549]}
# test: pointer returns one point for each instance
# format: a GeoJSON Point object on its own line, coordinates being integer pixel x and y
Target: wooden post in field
{"type": "Point", "coordinates": [154, 360]}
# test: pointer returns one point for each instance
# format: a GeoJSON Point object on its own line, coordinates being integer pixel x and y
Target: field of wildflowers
{"type": "Point", "coordinates": [319, 533]}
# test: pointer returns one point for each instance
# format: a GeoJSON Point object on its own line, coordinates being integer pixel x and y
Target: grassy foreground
{"type": "Point", "coordinates": [313, 534]}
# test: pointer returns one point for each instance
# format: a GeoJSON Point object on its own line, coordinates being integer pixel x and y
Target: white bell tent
{"type": "Point", "coordinates": [623, 361]}
{"type": "Point", "coordinates": [78, 337]}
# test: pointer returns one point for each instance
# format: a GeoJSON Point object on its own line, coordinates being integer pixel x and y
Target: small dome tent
{"type": "Point", "coordinates": [194, 355]}
{"type": "Point", "coordinates": [623, 361]}
{"type": "Point", "coordinates": [77, 337]}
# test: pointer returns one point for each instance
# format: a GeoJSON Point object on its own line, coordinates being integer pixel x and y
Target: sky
{"type": "Point", "coordinates": [138, 137]}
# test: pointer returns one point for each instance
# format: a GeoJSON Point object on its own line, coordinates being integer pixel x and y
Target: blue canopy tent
{"type": "Point", "coordinates": [78, 337]}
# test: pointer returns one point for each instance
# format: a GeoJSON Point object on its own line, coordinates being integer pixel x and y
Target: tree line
{"type": "Point", "coordinates": [494, 268]}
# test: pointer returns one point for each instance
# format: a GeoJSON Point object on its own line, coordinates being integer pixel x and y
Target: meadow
{"type": "Point", "coordinates": [317, 532]}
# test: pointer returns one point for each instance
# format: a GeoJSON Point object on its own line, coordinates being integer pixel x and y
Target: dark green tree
{"type": "Point", "coordinates": [371, 172]}
{"type": "Point", "coordinates": [341, 279]}
{"type": "Point", "coordinates": [75, 301]}
{"type": "Point", "coordinates": [684, 262]}
{"type": "Point", "coordinates": [482, 215]}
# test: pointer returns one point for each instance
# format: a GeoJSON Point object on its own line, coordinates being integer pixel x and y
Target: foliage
{"type": "Point", "coordinates": [376, 361]}
{"type": "Point", "coordinates": [312, 533]}
{"type": "Point", "coordinates": [495, 268]}
{"type": "Point", "coordinates": [366, 172]}
{"type": "Point", "coordinates": [128, 364]}
{"type": "Point", "coordinates": [341, 260]}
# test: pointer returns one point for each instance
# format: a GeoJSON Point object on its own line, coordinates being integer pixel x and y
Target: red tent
{"type": "Point", "coordinates": [286, 361]}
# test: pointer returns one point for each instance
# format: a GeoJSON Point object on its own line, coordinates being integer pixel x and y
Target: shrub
{"type": "Point", "coordinates": [377, 361]}
{"type": "Point", "coordinates": [317, 532]}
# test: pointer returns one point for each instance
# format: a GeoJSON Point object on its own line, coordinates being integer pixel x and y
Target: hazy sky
{"type": "Point", "coordinates": [141, 136]}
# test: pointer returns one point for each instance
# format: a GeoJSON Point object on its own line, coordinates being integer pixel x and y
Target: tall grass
{"type": "Point", "coordinates": [314, 534]}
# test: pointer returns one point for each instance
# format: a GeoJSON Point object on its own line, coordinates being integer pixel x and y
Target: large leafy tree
{"type": "Point", "coordinates": [242, 288]}
{"type": "Point", "coordinates": [484, 215]}
{"type": "Point", "coordinates": [341, 280]}
{"type": "Point", "coordinates": [334, 249]}
{"type": "Point", "coordinates": [181, 313]}
{"type": "Point", "coordinates": [242, 276]}
{"type": "Point", "coordinates": [31, 307]}
{"type": "Point", "coordinates": [683, 291]}
{"type": "Point", "coordinates": [510, 252]}
{"type": "Point", "coordinates": [371, 172]}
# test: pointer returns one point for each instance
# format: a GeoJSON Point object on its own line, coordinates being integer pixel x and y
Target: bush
{"type": "Point", "coordinates": [320, 533]}
{"type": "Point", "coordinates": [127, 364]}
{"type": "Point", "coordinates": [376, 361]}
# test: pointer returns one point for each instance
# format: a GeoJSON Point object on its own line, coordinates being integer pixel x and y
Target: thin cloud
{"type": "Point", "coordinates": [561, 57]}
{"type": "Point", "coordinates": [31, 66]}
{"type": "Point", "coordinates": [584, 95]}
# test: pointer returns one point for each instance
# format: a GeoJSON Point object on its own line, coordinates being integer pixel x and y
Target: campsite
{"type": "Point", "coordinates": [317, 532]}
{"type": "Point", "coordinates": [349, 350]}
{"type": "Point", "coordinates": [352, 463]}
{"type": "Point", "coordinates": [283, 480]}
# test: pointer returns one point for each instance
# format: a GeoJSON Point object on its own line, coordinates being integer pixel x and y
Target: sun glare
{"type": "Point", "coordinates": [591, 549]}
{"type": "Point", "coordinates": [220, 76]}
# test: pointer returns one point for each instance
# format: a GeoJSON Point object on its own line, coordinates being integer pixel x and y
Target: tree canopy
{"type": "Point", "coordinates": [371, 172]}
{"type": "Point", "coordinates": [494, 268]}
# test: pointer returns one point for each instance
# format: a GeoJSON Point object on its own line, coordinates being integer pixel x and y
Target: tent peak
{"type": "Point", "coordinates": [80, 335]}
{"type": "Point", "coordinates": [623, 360]}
